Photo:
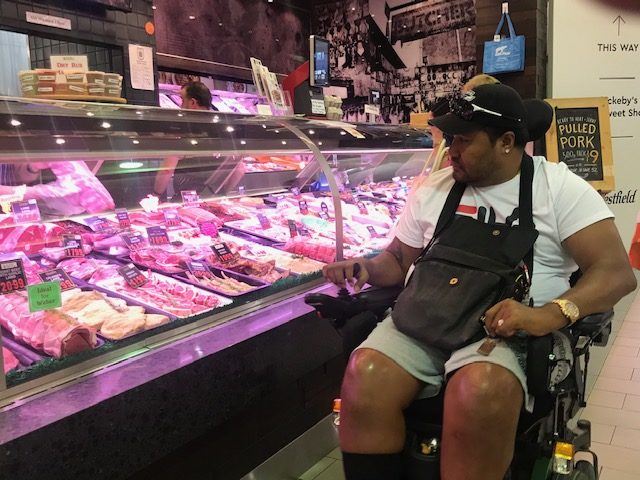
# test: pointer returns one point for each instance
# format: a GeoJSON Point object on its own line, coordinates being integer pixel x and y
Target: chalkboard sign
{"type": "Point", "coordinates": [580, 136]}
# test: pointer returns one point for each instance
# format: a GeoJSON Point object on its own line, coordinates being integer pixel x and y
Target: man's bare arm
{"type": "Point", "coordinates": [384, 270]}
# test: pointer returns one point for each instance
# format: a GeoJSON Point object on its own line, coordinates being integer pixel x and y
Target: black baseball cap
{"type": "Point", "coordinates": [495, 105]}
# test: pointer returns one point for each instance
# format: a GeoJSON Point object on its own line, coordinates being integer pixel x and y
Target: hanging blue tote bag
{"type": "Point", "coordinates": [503, 55]}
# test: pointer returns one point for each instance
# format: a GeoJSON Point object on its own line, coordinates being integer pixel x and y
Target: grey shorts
{"type": "Point", "coordinates": [431, 365]}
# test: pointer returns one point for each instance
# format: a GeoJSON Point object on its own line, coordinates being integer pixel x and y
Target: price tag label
{"type": "Point", "coordinates": [133, 276]}
{"type": "Point", "coordinates": [25, 211]}
{"type": "Point", "coordinates": [324, 215]}
{"type": "Point", "coordinates": [293, 229]}
{"type": "Point", "coordinates": [304, 231]}
{"type": "Point", "coordinates": [123, 217]}
{"type": "Point", "coordinates": [209, 228]}
{"type": "Point", "coordinates": [296, 192]}
{"type": "Point", "coordinates": [72, 246]}
{"type": "Point", "coordinates": [304, 208]}
{"type": "Point", "coordinates": [190, 198]}
{"type": "Point", "coordinates": [362, 208]}
{"type": "Point", "coordinates": [157, 236]}
{"type": "Point", "coordinates": [372, 231]}
{"type": "Point", "coordinates": [171, 218]}
{"type": "Point", "coordinates": [199, 269]}
{"type": "Point", "coordinates": [134, 241]}
{"type": "Point", "coordinates": [223, 252]}
{"type": "Point", "coordinates": [324, 208]}
{"type": "Point", "coordinates": [58, 275]}
{"type": "Point", "coordinates": [97, 224]}
{"type": "Point", "coordinates": [44, 296]}
{"type": "Point", "coordinates": [264, 221]}
{"type": "Point", "coordinates": [241, 189]}
{"type": "Point", "coordinates": [12, 276]}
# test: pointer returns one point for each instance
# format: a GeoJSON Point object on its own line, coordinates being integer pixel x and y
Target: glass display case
{"type": "Point", "coordinates": [154, 224]}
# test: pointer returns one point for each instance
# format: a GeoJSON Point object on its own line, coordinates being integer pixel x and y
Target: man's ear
{"type": "Point", "coordinates": [508, 141]}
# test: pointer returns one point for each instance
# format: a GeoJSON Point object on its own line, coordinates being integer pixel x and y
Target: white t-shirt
{"type": "Point", "coordinates": [563, 204]}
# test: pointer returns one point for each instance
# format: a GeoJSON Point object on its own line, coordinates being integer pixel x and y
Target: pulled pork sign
{"type": "Point", "coordinates": [427, 18]}
{"type": "Point", "coordinates": [580, 136]}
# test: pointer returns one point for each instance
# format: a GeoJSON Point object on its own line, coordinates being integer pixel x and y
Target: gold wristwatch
{"type": "Point", "coordinates": [569, 309]}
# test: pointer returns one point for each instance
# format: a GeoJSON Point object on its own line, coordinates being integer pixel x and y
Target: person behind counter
{"type": "Point", "coordinates": [74, 189]}
{"type": "Point", "coordinates": [195, 96]}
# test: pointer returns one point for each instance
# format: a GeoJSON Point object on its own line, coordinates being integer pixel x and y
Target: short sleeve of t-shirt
{"type": "Point", "coordinates": [577, 204]}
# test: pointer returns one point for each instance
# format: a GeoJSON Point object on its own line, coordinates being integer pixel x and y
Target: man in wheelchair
{"type": "Point", "coordinates": [405, 359]}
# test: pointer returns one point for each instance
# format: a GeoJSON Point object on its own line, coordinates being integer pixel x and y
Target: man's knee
{"type": "Point", "coordinates": [484, 388]}
{"type": "Point", "coordinates": [372, 378]}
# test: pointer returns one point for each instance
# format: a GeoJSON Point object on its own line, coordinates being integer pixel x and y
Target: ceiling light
{"type": "Point", "coordinates": [181, 114]}
{"type": "Point", "coordinates": [138, 112]}
{"type": "Point", "coordinates": [194, 142]}
{"type": "Point", "coordinates": [216, 119]}
{"type": "Point", "coordinates": [192, 17]}
{"type": "Point", "coordinates": [284, 142]}
{"type": "Point", "coordinates": [320, 143]}
{"type": "Point", "coordinates": [243, 142]}
{"type": "Point", "coordinates": [264, 126]}
{"type": "Point", "coordinates": [154, 7]}
{"type": "Point", "coordinates": [105, 125]}
{"type": "Point", "coordinates": [219, 24]}
{"type": "Point", "coordinates": [136, 142]}
{"type": "Point", "coordinates": [311, 132]}
{"type": "Point", "coordinates": [15, 123]}
{"type": "Point", "coordinates": [90, 114]}
{"type": "Point", "coordinates": [342, 132]}
{"type": "Point", "coordinates": [60, 141]}
{"type": "Point", "coordinates": [277, 131]}
{"type": "Point", "coordinates": [129, 165]}
{"type": "Point", "coordinates": [230, 129]}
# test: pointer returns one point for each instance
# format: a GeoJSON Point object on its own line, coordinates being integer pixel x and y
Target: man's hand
{"type": "Point", "coordinates": [508, 317]}
{"type": "Point", "coordinates": [346, 273]}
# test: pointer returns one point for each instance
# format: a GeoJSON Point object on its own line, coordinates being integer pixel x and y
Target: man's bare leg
{"type": "Point", "coordinates": [481, 412]}
{"type": "Point", "coordinates": [375, 391]}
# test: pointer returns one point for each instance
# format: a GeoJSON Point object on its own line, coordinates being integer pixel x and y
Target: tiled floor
{"type": "Point", "coordinates": [613, 402]}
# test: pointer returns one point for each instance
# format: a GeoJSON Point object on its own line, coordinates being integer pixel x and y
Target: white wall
{"type": "Point", "coordinates": [588, 60]}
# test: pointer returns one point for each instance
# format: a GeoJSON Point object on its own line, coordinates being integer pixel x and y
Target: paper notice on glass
{"type": "Point", "coordinates": [141, 66]}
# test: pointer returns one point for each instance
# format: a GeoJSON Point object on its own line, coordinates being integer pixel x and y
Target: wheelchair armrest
{"type": "Point", "coordinates": [345, 306]}
{"type": "Point", "coordinates": [596, 327]}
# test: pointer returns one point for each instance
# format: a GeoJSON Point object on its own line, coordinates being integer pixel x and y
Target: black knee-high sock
{"type": "Point", "coordinates": [378, 466]}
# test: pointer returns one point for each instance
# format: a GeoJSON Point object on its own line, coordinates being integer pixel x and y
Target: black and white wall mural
{"type": "Point", "coordinates": [407, 54]}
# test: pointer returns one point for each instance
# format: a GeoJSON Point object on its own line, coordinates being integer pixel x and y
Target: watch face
{"type": "Point", "coordinates": [572, 310]}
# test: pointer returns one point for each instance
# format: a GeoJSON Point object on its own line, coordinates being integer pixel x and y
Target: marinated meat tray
{"type": "Point", "coordinates": [223, 282]}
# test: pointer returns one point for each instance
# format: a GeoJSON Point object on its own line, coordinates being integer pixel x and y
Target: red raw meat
{"type": "Point", "coordinates": [10, 361]}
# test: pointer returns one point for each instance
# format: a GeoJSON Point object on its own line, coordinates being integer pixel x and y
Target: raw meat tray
{"type": "Point", "coordinates": [248, 227]}
{"type": "Point", "coordinates": [106, 286]}
{"type": "Point", "coordinates": [253, 281]}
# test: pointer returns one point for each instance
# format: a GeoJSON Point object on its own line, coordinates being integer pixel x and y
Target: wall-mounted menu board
{"type": "Point", "coordinates": [580, 136]}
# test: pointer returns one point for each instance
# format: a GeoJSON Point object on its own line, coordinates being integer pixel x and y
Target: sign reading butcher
{"type": "Point", "coordinates": [428, 18]}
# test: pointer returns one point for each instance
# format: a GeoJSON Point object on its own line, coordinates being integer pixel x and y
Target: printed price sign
{"type": "Point", "coordinates": [293, 229]}
{"type": "Point", "coordinates": [264, 221]}
{"type": "Point", "coordinates": [12, 276]}
{"type": "Point", "coordinates": [44, 296]}
{"type": "Point", "coordinates": [134, 241]}
{"type": "Point", "coordinates": [190, 198]}
{"type": "Point", "coordinates": [209, 228]}
{"type": "Point", "coordinates": [304, 231]}
{"type": "Point", "coordinates": [123, 217]}
{"type": "Point", "coordinates": [171, 218]}
{"type": "Point", "coordinates": [362, 208]}
{"type": "Point", "coordinates": [25, 211]}
{"type": "Point", "coordinates": [58, 275]}
{"type": "Point", "coordinates": [199, 269]}
{"type": "Point", "coordinates": [372, 231]}
{"type": "Point", "coordinates": [72, 246]}
{"type": "Point", "coordinates": [324, 215]}
{"type": "Point", "coordinates": [133, 276]}
{"type": "Point", "coordinates": [241, 189]}
{"type": "Point", "coordinates": [324, 208]}
{"type": "Point", "coordinates": [157, 236]}
{"type": "Point", "coordinates": [304, 208]}
{"type": "Point", "coordinates": [296, 192]}
{"type": "Point", "coordinates": [223, 252]}
{"type": "Point", "coordinates": [97, 224]}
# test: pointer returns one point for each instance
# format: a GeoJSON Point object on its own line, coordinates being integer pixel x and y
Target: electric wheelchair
{"type": "Point", "coordinates": [556, 375]}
